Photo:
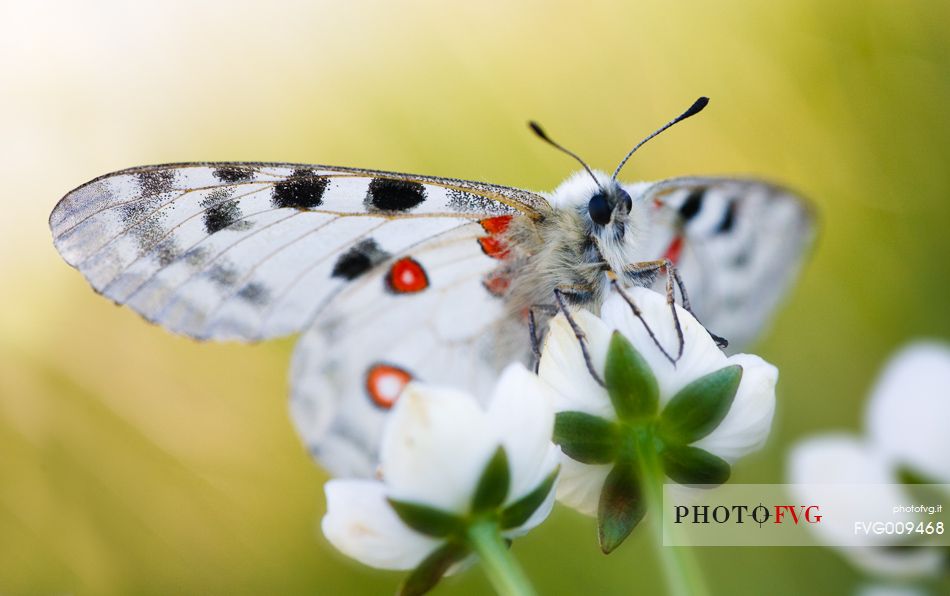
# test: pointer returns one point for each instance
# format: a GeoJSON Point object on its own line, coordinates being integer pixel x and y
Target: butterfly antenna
{"type": "Point", "coordinates": [694, 109]}
{"type": "Point", "coordinates": [536, 128]}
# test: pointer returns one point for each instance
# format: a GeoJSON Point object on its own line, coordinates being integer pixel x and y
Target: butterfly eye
{"type": "Point", "coordinates": [599, 209]}
{"type": "Point", "coordinates": [626, 200]}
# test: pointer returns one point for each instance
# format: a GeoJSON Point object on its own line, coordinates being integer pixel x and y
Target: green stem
{"type": "Point", "coordinates": [683, 574]}
{"type": "Point", "coordinates": [501, 568]}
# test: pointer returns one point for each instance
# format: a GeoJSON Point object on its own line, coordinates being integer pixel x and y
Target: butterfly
{"type": "Point", "coordinates": [390, 277]}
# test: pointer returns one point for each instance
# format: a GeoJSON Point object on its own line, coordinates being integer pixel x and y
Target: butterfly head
{"type": "Point", "coordinates": [612, 204]}
{"type": "Point", "coordinates": [603, 217]}
{"type": "Point", "coordinates": [609, 204]}
{"type": "Point", "coordinates": [600, 202]}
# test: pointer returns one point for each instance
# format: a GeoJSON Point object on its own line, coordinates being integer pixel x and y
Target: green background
{"type": "Point", "coordinates": [134, 461]}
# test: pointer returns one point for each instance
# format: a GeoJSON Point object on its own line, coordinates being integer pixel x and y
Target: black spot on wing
{"type": "Point", "coordinates": [302, 190]}
{"type": "Point", "coordinates": [145, 217]}
{"type": "Point", "coordinates": [138, 210]}
{"type": "Point", "coordinates": [692, 204]}
{"type": "Point", "coordinates": [232, 174]}
{"type": "Point", "coordinates": [728, 219]}
{"type": "Point", "coordinates": [221, 211]}
{"type": "Point", "coordinates": [167, 251]}
{"type": "Point", "coordinates": [359, 259]}
{"type": "Point", "coordinates": [155, 182]}
{"type": "Point", "coordinates": [254, 293]}
{"type": "Point", "coordinates": [196, 256]}
{"type": "Point", "coordinates": [223, 274]}
{"type": "Point", "coordinates": [388, 194]}
{"type": "Point", "coordinates": [146, 222]}
{"type": "Point", "coordinates": [221, 216]}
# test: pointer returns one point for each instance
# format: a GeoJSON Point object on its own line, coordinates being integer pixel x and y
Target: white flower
{"type": "Point", "coordinates": [909, 408]}
{"type": "Point", "coordinates": [744, 428]}
{"type": "Point", "coordinates": [905, 421]}
{"type": "Point", "coordinates": [435, 448]}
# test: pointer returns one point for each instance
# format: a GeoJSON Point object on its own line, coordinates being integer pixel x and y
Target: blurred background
{"type": "Point", "coordinates": [134, 461]}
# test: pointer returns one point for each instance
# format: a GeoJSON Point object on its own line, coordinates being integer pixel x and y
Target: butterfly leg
{"type": "Point", "coordinates": [639, 314]}
{"type": "Point", "coordinates": [722, 342]}
{"type": "Point", "coordinates": [653, 267]}
{"type": "Point", "coordinates": [579, 334]}
{"type": "Point", "coordinates": [548, 309]}
{"type": "Point", "coordinates": [672, 275]}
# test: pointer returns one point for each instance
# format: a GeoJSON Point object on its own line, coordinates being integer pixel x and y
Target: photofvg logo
{"type": "Point", "coordinates": [740, 514]}
{"type": "Point", "coordinates": [802, 515]}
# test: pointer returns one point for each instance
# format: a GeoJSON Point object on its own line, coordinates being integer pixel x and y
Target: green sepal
{"type": "Point", "coordinates": [700, 407]}
{"type": "Point", "coordinates": [521, 510]}
{"type": "Point", "coordinates": [427, 520]}
{"type": "Point", "coordinates": [632, 388]}
{"type": "Point", "coordinates": [425, 577]}
{"type": "Point", "coordinates": [586, 438]}
{"type": "Point", "coordinates": [692, 465]}
{"type": "Point", "coordinates": [621, 507]}
{"type": "Point", "coordinates": [492, 487]}
{"type": "Point", "coordinates": [908, 475]}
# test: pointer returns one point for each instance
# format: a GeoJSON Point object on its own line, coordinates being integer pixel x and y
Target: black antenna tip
{"type": "Point", "coordinates": [536, 129]}
{"type": "Point", "coordinates": [696, 108]}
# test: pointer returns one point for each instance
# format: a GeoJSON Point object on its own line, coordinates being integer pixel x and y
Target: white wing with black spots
{"type": "Point", "coordinates": [737, 244]}
{"type": "Point", "coordinates": [394, 277]}
{"type": "Point", "coordinates": [250, 251]}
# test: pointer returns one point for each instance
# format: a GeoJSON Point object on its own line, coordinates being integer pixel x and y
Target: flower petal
{"type": "Point", "coordinates": [563, 368]}
{"type": "Point", "coordinates": [521, 415]}
{"type": "Point", "coordinates": [844, 459]}
{"type": "Point", "coordinates": [435, 447]}
{"type": "Point", "coordinates": [908, 409]}
{"type": "Point", "coordinates": [746, 427]}
{"type": "Point", "coordinates": [361, 524]}
{"type": "Point", "coordinates": [835, 459]}
{"type": "Point", "coordinates": [579, 485]}
{"type": "Point", "coordinates": [701, 355]}
{"type": "Point", "coordinates": [551, 459]}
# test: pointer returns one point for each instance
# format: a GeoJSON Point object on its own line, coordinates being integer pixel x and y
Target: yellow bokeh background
{"type": "Point", "coordinates": [135, 461]}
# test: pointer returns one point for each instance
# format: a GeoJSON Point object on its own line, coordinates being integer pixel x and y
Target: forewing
{"type": "Point", "coordinates": [250, 251]}
{"type": "Point", "coordinates": [738, 245]}
{"type": "Point", "coordinates": [435, 313]}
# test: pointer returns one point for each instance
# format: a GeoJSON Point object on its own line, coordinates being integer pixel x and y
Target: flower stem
{"type": "Point", "coordinates": [682, 571]}
{"type": "Point", "coordinates": [501, 568]}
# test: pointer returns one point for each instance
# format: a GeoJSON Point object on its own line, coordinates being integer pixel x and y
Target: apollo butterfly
{"type": "Point", "coordinates": [390, 277]}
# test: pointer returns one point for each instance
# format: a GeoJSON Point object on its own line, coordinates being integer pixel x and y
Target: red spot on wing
{"type": "Point", "coordinates": [497, 283]}
{"type": "Point", "coordinates": [406, 276]}
{"type": "Point", "coordinates": [496, 225]}
{"type": "Point", "coordinates": [674, 250]}
{"type": "Point", "coordinates": [384, 384]}
{"type": "Point", "coordinates": [492, 245]}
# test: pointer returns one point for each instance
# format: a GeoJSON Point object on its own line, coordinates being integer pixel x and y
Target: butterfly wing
{"type": "Point", "coordinates": [435, 312]}
{"type": "Point", "coordinates": [391, 276]}
{"type": "Point", "coordinates": [250, 251]}
{"type": "Point", "coordinates": [738, 245]}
